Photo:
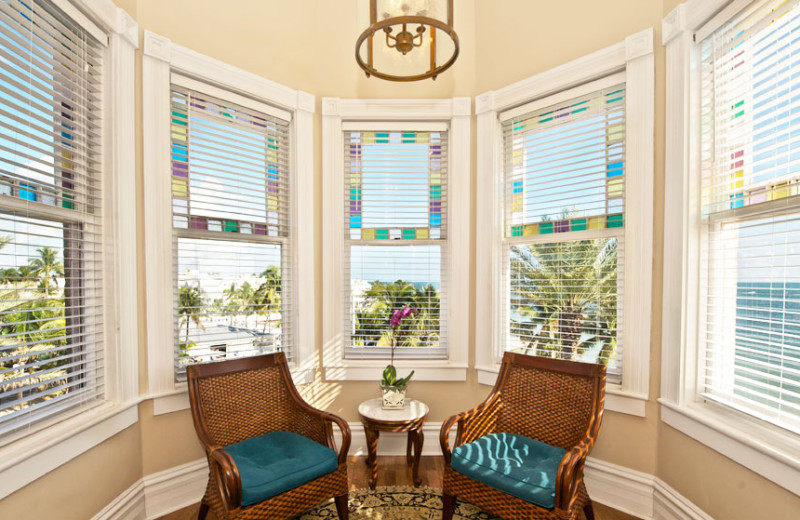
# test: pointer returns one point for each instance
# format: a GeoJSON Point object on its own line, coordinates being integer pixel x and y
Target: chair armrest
{"type": "Point", "coordinates": [229, 481]}
{"type": "Point", "coordinates": [570, 474]}
{"type": "Point", "coordinates": [472, 424]}
{"type": "Point", "coordinates": [346, 435]}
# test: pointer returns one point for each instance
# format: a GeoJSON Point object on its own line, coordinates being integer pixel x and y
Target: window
{"type": "Point", "coordinates": [730, 372]}
{"type": "Point", "coordinates": [68, 319]}
{"type": "Point", "coordinates": [230, 207]}
{"type": "Point", "coordinates": [51, 229]}
{"type": "Point", "coordinates": [228, 179]}
{"type": "Point", "coordinates": [565, 218]}
{"type": "Point", "coordinates": [563, 232]}
{"type": "Point", "coordinates": [750, 214]}
{"type": "Point", "coordinates": [396, 240]}
{"type": "Point", "coordinates": [395, 233]}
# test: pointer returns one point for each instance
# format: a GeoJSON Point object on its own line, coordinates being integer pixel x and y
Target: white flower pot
{"type": "Point", "coordinates": [394, 397]}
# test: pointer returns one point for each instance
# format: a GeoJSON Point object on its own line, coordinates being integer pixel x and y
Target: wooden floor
{"type": "Point", "coordinates": [392, 471]}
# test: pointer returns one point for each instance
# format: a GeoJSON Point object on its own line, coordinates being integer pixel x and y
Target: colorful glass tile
{"type": "Point", "coordinates": [614, 169]}
{"type": "Point", "coordinates": [67, 202]}
{"type": "Point", "coordinates": [198, 223]}
{"type": "Point", "coordinates": [614, 221]}
{"type": "Point", "coordinates": [516, 202]}
{"type": "Point", "coordinates": [577, 224]}
{"type": "Point", "coordinates": [516, 231]}
{"type": "Point", "coordinates": [272, 202]}
{"type": "Point", "coordinates": [562, 226]}
{"type": "Point", "coordinates": [231, 226]}
{"type": "Point", "coordinates": [27, 192]}
{"type": "Point", "coordinates": [517, 187]}
{"type": "Point", "coordinates": [615, 188]}
{"type": "Point", "coordinates": [545, 228]}
{"type": "Point", "coordinates": [597, 222]}
{"type": "Point", "coordinates": [368, 234]}
{"type": "Point", "coordinates": [531, 229]}
{"type": "Point", "coordinates": [260, 229]}
{"type": "Point", "coordinates": [355, 221]}
{"type": "Point", "coordinates": [382, 234]}
{"type": "Point", "coordinates": [780, 191]}
{"type": "Point", "coordinates": [616, 132]}
{"type": "Point", "coordinates": [436, 220]}
{"type": "Point", "coordinates": [422, 234]}
{"type": "Point", "coordinates": [180, 187]}
{"type": "Point", "coordinates": [409, 234]}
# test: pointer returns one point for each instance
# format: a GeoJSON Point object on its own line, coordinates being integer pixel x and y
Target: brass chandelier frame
{"type": "Point", "coordinates": [405, 41]}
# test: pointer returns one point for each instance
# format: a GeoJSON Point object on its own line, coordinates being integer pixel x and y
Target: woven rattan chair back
{"type": "Point", "coordinates": [249, 397]}
{"type": "Point", "coordinates": [550, 400]}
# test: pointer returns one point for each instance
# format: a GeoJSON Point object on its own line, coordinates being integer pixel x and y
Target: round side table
{"type": "Point", "coordinates": [409, 419]}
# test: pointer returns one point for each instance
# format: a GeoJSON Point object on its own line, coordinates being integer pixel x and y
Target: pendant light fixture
{"type": "Point", "coordinates": [408, 40]}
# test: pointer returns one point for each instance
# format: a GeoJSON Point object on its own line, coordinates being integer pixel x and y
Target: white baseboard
{"type": "Point", "coordinates": [624, 489]}
{"type": "Point", "coordinates": [633, 492]}
{"type": "Point", "coordinates": [175, 488]}
{"type": "Point", "coordinates": [668, 504]}
{"type": "Point", "coordinates": [129, 505]}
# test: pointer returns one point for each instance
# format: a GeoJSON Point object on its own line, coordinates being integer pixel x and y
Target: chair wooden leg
{"type": "Point", "coordinates": [448, 506]}
{"type": "Point", "coordinates": [588, 510]}
{"type": "Point", "coordinates": [201, 514]}
{"type": "Point", "coordinates": [341, 507]}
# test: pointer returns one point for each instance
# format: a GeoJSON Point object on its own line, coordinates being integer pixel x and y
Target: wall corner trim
{"type": "Point", "coordinates": [673, 24]}
{"type": "Point", "coordinates": [639, 44]}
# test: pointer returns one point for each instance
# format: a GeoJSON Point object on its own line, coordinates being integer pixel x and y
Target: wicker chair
{"type": "Point", "coordinates": [556, 402]}
{"type": "Point", "coordinates": [243, 399]}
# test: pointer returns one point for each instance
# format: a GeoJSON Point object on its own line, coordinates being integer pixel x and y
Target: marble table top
{"type": "Point", "coordinates": [413, 410]}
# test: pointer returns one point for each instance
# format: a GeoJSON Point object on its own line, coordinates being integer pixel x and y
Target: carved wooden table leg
{"type": "Point", "coordinates": [372, 455]}
{"type": "Point", "coordinates": [409, 446]}
{"type": "Point", "coordinates": [419, 438]}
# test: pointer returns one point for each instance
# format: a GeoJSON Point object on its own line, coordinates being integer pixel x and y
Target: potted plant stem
{"type": "Point", "coordinates": [392, 388]}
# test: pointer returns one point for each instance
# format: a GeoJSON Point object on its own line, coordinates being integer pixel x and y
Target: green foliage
{"type": "Point", "coordinates": [33, 330]}
{"type": "Point", "coordinates": [390, 377]}
{"type": "Point", "coordinates": [373, 314]}
{"type": "Point", "coordinates": [565, 294]}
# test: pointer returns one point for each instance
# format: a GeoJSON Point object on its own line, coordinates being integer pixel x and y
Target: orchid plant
{"type": "Point", "coordinates": [390, 372]}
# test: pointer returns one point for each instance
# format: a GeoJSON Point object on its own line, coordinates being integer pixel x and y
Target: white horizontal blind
{"type": "Point", "coordinates": [563, 233]}
{"type": "Point", "coordinates": [231, 223]}
{"type": "Point", "coordinates": [750, 358]}
{"type": "Point", "coordinates": [51, 306]}
{"type": "Point", "coordinates": [395, 186]}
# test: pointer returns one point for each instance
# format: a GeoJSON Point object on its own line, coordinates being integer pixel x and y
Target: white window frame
{"type": "Point", "coordinates": [24, 457]}
{"type": "Point", "coordinates": [162, 58]}
{"type": "Point", "coordinates": [634, 57]}
{"type": "Point", "coordinates": [768, 450]}
{"type": "Point", "coordinates": [456, 112]}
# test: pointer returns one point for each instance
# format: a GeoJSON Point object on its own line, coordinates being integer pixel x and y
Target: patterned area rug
{"type": "Point", "coordinates": [397, 503]}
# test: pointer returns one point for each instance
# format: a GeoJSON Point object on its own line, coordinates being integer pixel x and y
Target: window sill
{"type": "Point", "coordinates": [25, 460]}
{"type": "Point", "coordinates": [770, 452]}
{"type": "Point", "coordinates": [370, 370]}
{"type": "Point", "coordinates": [178, 399]}
{"type": "Point", "coordinates": [616, 399]}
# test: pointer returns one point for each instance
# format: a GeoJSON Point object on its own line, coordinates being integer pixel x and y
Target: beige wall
{"type": "Point", "coordinates": [82, 487]}
{"type": "Point", "coordinates": [309, 45]}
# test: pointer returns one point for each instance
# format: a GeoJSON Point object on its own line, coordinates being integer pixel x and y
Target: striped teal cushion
{"type": "Point", "coordinates": [514, 464]}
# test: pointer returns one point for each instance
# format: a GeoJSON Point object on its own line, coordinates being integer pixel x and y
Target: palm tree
{"type": "Point", "coordinates": [231, 297]}
{"type": "Point", "coordinates": [246, 298]}
{"type": "Point", "coordinates": [268, 294]}
{"type": "Point", "coordinates": [372, 316]}
{"type": "Point", "coordinates": [191, 302]}
{"type": "Point", "coordinates": [47, 269]}
{"type": "Point", "coordinates": [564, 295]}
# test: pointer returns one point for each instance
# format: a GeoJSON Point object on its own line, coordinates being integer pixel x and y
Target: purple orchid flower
{"type": "Point", "coordinates": [400, 314]}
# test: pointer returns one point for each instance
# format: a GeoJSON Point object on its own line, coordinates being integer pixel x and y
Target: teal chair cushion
{"type": "Point", "coordinates": [514, 464]}
{"type": "Point", "coordinates": [279, 461]}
